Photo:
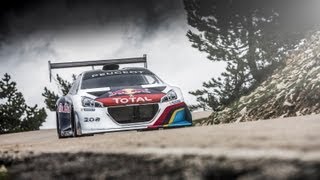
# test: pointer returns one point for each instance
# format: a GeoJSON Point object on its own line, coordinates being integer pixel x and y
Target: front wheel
{"type": "Point", "coordinates": [76, 126]}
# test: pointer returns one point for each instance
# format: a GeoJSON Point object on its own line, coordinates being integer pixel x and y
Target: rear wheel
{"type": "Point", "coordinates": [58, 127]}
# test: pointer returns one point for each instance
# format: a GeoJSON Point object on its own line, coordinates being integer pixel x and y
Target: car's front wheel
{"type": "Point", "coordinates": [76, 126]}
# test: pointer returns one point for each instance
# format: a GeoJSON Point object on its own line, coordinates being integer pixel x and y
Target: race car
{"type": "Point", "coordinates": [118, 99]}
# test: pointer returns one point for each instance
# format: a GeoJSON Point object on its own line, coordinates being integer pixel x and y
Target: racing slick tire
{"type": "Point", "coordinates": [75, 125]}
{"type": "Point", "coordinates": [58, 127]}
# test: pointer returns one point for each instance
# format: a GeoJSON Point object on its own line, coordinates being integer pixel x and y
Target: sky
{"type": "Point", "coordinates": [33, 32]}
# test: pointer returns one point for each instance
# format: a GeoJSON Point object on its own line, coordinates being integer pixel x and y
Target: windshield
{"type": "Point", "coordinates": [120, 80]}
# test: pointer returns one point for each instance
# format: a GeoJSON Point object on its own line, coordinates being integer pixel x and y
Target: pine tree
{"type": "Point", "coordinates": [51, 97]}
{"type": "Point", "coordinates": [15, 115]}
{"type": "Point", "coordinates": [249, 35]}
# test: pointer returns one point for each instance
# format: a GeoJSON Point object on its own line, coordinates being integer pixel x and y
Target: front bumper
{"type": "Point", "coordinates": [167, 115]}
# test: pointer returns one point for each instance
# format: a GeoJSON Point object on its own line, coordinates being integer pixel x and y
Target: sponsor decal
{"type": "Point", "coordinates": [129, 92]}
{"type": "Point", "coordinates": [167, 115]}
{"type": "Point", "coordinates": [88, 109]}
{"type": "Point", "coordinates": [91, 119]}
{"type": "Point", "coordinates": [115, 73]}
{"type": "Point", "coordinates": [131, 99]}
{"type": "Point", "coordinates": [64, 108]}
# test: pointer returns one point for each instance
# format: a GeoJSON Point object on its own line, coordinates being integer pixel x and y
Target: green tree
{"type": "Point", "coordinates": [51, 97]}
{"type": "Point", "coordinates": [251, 36]}
{"type": "Point", "coordinates": [15, 114]}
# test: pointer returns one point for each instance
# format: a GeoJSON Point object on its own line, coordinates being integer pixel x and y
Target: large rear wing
{"type": "Point", "coordinates": [93, 63]}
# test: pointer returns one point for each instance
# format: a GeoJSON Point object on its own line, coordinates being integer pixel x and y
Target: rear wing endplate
{"type": "Point", "coordinates": [93, 63]}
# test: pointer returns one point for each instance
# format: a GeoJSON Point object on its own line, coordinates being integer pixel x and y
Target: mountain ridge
{"type": "Point", "coordinates": [293, 90]}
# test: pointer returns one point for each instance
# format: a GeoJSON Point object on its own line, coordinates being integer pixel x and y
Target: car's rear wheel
{"type": "Point", "coordinates": [58, 127]}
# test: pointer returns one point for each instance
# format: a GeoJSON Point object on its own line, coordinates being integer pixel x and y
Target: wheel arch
{"type": "Point", "coordinates": [64, 115]}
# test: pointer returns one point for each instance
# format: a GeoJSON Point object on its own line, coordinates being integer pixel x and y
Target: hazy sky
{"type": "Point", "coordinates": [33, 33]}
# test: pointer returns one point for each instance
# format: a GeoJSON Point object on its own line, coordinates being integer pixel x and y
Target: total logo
{"type": "Point", "coordinates": [132, 99]}
{"type": "Point", "coordinates": [129, 92]}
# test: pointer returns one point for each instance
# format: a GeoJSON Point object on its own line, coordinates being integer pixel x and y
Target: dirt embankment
{"type": "Point", "coordinates": [124, 166]}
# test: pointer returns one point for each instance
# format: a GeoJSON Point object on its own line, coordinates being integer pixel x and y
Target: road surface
{"type": "Point", "coordinates": [286, 140]}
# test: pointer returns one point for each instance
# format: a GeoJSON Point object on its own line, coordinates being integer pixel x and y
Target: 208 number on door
{"type": "Point", "coordinates": [91, 119]}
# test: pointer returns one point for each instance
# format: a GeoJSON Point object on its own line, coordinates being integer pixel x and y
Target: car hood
{"type": "Point", "coordinates": [119, 96]}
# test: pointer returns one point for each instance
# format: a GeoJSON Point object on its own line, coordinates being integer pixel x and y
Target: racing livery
{"type": "Point", "coordinates": [119, 99]}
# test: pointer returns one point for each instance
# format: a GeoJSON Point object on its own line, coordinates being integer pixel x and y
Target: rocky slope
{"type": "Point", "coordinates": [291, 91]}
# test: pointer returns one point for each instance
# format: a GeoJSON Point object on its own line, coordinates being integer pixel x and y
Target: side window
{"type": "Point", "coordinates": [151, 79]}
{"type": "Point", "coordinates": [75, 86]}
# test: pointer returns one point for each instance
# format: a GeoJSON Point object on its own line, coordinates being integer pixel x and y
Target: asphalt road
{"type": "Point", "coordinates": [296, 137]}
{"type": "Point", "coordinates": [286, 139]}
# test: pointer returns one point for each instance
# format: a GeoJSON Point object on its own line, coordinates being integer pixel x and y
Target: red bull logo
{"type": "Point", "coordinates": [129, 92]}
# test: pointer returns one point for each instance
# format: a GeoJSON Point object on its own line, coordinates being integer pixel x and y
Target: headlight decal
{"type": "Point", "coordinates": [88, 102]}
{"type": "Point", "coordinates": [170, 96]}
